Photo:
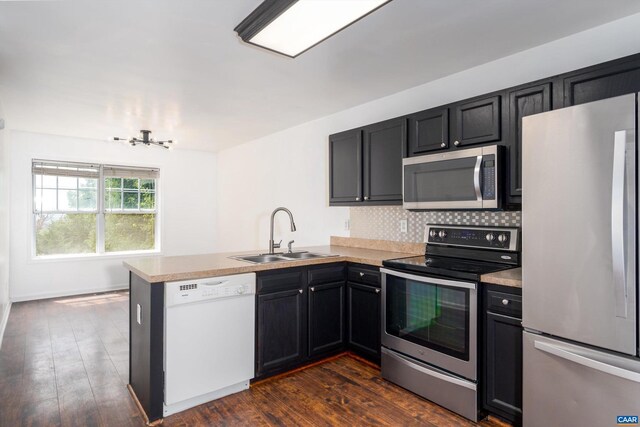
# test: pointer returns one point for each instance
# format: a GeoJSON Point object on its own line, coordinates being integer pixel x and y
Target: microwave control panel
{"type": "Point", "coordinates": [489, 177]}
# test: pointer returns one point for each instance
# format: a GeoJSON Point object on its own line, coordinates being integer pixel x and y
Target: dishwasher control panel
{"type": "Point", "coordinates": [187, 291]}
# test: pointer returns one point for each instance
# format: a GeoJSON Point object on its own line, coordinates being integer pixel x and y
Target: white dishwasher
{"type": "Point", "coordinates": [208, 339]}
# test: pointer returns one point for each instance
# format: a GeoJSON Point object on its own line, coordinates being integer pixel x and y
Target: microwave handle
{"type": "Point", "coordinates": [476, 178]}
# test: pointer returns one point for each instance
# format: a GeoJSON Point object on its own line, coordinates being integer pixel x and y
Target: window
{"type": "Point", "coordinates": [93, 209]}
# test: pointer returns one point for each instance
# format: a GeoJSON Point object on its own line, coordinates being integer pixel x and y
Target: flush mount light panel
{"type": "Point", "coordinates": [291, 27]}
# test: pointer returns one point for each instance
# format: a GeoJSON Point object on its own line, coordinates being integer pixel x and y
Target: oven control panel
{"type": "Point", "coordinates": [503, 238]}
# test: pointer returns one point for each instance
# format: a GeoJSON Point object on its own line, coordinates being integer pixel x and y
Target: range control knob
{"type": "Point", "coordinates": [502, 238]}
{"type": "Point", "coordinates": [442, 234]}
{"type": "Point", "coordinates": [490, 237]}
{"type": "Point", "coordinates": [433, 233]}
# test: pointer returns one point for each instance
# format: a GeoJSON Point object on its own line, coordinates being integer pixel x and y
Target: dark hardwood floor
{"type": "Point", "coordinates": [65, 362]}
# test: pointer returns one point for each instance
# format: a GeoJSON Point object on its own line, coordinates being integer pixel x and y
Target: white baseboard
{"type": "Point", "coordinates": [68, 293]}
{"type": "Point", "coordinates": [3, 322]}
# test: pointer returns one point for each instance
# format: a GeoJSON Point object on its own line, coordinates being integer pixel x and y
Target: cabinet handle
{"type": "Point", "coordinates": [357, 199]}
{"type": "Point", "coordinates": [366, 197]}
{"type": "Point", "coordinates": [300, 290]}
{"type": "Point", "coordinates": [361, 274]}
{"type": "Point", "coordinates": [312, 289]}
{"type": "Point", "coordinates": [442, 144]}
{"type": "Point", "coordinates": [505, 302]}
{"type": "Point", "coordinates": [377, 291]}
{"type": "Point", "coordinates": [456, 143]}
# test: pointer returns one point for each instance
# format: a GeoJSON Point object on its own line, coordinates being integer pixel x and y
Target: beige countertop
{"type": "Point", "coordinates": [169, 268]}
{"type": "Point", "coordinates": [511, 277]}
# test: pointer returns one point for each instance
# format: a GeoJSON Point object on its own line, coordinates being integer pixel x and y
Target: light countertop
{"type": "Point", "coordinates": [511, 277]}
{"type": "Point", "coordinates": [169, 268]}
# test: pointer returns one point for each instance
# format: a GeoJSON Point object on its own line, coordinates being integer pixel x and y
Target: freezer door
{"type": "Point", "coordinates": [570, 385]}
{"type": "Point", "coordinates": [579, 221]}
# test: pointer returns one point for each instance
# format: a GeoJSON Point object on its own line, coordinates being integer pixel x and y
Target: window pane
{"type": "Point", "coordinates": [148, 184]}
{"type": "Point", "coordinates": [49, 181]}
{"type": "Point", "coordinates": [58, 234]}
{"type": "Point", "coordinates": [87, 200]}
{"type": "Point", "coordinates": [113, 183]}
{"type": "Point", "coordinates": [129, 232]}
{"type": "Point", "coordinates": [49, 200]}
{"type": "Point", "coordinates": [67, 200]}
{"type": "Point", "coordinates": [131, 183]}
{"type": "Point", "coordinates": [130, 200]}
{"type": "Point", "coordinates": [67, 182]}
{"type": "Point", "coordinates": [87, 183]}
{"type": "Point", "coordinates": [147, 200]}
{"type": "Point", "coordinates": [113, 199]}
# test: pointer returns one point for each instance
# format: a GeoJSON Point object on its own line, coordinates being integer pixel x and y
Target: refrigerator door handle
{"type": "Point", "coordinates": [588, 362]}
{"type": "Point", "coordinates": [476, 178]}
{"type": "Point", "coordinates": [621, 222]}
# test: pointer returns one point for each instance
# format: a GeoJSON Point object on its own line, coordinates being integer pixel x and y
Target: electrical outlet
{"type": "Point", "coordinates": [347, 224]}
{"type": "Point", "coordinates": [403, 225]}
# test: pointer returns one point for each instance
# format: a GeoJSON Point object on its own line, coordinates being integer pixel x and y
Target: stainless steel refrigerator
{"type": "Point", "coordinates": [579, 260]}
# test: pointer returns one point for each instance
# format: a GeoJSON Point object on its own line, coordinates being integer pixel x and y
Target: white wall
{"type": "Point", "coordinates": [290, 167]}
{"type": "Point", "coordinates": [4, 229]}
{"type": "Point", "coordinates": [187, 211]}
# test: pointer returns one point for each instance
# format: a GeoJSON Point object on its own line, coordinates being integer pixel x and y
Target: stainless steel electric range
{"type": "Point", "coordinates": [430, 312]}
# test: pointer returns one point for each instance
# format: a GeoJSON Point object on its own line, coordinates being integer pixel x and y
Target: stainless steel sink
{"type": "Point", "coordinates": [268, 258]}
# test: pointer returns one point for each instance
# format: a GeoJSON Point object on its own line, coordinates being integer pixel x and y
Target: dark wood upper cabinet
{"type": "Point", "coordinates": [602, 81]}
{"type": "Point", "coordinates": [523, 102]}
{"type": "Point", "coordinates": [345, 167]}
{"type": "Point", "coordinates": [428, 131]}
{"type": "Point", "coordinates": [326, 318]}
{"type": "Point", "coordinates": [478, 121]}
{"type": "Point", "coordinates": [384, 149]}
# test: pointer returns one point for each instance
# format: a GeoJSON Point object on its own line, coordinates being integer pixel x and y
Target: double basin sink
{"type": "Point", "coordinates": [291, 256]}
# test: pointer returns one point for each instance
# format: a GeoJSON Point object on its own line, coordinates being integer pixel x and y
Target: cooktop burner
{"type": "Point", "coordinates": [464, 252]}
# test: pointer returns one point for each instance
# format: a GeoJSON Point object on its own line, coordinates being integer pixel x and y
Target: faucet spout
{"type": "Point", "coordinates": [272, 244]}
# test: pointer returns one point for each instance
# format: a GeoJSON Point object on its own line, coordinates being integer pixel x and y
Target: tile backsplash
{"type": "Point", "coordinates": [383, 222]}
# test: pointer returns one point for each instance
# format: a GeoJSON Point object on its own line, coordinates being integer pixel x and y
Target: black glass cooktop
{"type": "Point", "coordinates": [446, 266]}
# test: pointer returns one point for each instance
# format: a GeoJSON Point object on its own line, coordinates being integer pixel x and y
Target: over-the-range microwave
{"type": "Point", "coordinates": [462, 179]}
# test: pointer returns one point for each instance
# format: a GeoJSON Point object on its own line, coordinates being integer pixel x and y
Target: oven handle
{"type": "Point", "coordinates": [424, 279]}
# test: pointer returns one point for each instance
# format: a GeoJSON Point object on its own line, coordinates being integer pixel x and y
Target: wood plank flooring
{"type": "Point", "coordinates": [64, 362]}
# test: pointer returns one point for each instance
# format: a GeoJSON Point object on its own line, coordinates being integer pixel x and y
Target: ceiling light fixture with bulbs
{"type": "Point", "coordinates": [291, 27]}
{"type": "Point", "coordinates": [146, 140]}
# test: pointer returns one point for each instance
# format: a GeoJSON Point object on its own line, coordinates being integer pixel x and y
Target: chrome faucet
{"type": "Point", "coordinates": [272, 244]}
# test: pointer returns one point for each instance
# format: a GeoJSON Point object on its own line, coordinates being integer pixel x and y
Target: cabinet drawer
{"type": "Point", "coordinates": [502, 302]}
{"type": "Point", "coordinates": [326, 274]}
{"type": "Point", "coordinates": [364, 274]}
{"type": "Point", "coordinates": [280, 280]}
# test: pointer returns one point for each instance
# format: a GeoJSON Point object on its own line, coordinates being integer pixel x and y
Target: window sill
{"type": "Point", "coordinates": [94, 257]}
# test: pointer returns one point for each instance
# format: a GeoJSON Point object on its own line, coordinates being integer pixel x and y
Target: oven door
{"type": "Point", "coordinates": [432, 320]}
{"type": "Point", "coordinates": [465, 179]}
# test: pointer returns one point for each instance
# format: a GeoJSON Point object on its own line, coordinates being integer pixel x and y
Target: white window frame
{"type": "Point", "coordinates": [100, 214]}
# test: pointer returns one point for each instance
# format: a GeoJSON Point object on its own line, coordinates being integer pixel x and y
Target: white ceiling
{"type": "Point", "coordinates": [103, 68]}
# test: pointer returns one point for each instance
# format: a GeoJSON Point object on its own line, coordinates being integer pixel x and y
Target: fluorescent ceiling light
{"type": "Point", "coordinates": [290, 27]}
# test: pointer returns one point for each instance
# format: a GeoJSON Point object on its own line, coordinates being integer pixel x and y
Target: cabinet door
{"type": "Point", "coordinates": [523, 102]}
{"type": "Point", "coordinates": [326, 318]}
{"type": "Point", "coordinates": [503, 366]}
{"type": "Point", "coordinates": [364, 320]}
{"type": "Point", "coordinates": [478, 121]}
{"type": "Point", "coordinates": [428, 131]}
{"type": "Point", "coordinates": [345, 167]}
{"type": "Point", "coordinates": [602, 81]}
{"type": "Point", "coordinates": [384, 148]}
{"type": "Point", "coordinates": [280, 330]}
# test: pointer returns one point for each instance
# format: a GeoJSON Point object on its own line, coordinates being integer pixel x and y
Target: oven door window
{"type": "Point", "coordinates": [441, 181]}
{"type": "Point", "coordinates": [430, 315]}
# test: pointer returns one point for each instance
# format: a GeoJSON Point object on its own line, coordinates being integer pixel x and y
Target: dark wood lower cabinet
{"type": "Point", "coordinates": [326, 318]}
{"type": "Point", "coordinates": [363, 333]}
{"type": "Point", "coordinates": [280, 331]}
{"type": "Point", "coordinates": [502, 388]}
